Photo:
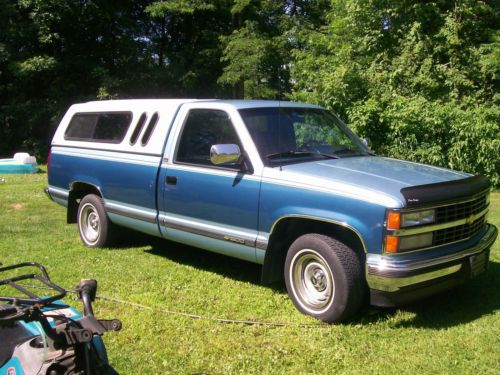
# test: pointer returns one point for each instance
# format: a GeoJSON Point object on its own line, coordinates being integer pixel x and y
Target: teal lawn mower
{"type": "Point", "coordinates": [42, 335]}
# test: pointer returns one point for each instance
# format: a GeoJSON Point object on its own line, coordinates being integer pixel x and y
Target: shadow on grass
{"type": "Point", "coordinates": [204, 260]}
{"type": "Point", "coordinates": [220, 264]}
{"type": "Point", "coordinates": [464, 303]}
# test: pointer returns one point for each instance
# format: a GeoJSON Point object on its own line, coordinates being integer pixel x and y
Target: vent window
{"type": "Point", "coordinates": [138, 129]}
{"type": "Point", "coordinates": [149, 129]}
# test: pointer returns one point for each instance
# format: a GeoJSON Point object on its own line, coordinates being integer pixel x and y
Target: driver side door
{"type": "Point", "coordinates": [214, 207]}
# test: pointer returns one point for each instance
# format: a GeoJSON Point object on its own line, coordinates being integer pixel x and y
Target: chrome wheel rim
{"type": "Point", "coordinates": [89, 223]}
{"type": "Point", "coordinates": [312, 281]}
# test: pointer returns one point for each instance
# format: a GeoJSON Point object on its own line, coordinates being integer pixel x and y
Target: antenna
{"type": "Point", "coordinates": [280, 97]}
{"type": "Point", "coordinates": [279, 133]}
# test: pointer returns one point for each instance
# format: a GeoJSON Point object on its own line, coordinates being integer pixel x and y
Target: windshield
{"type": "Point", "coordinates": [294, 135]}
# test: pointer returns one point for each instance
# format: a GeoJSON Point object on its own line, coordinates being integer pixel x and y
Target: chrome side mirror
{"type": "Point", "coordinates": [225, 154]}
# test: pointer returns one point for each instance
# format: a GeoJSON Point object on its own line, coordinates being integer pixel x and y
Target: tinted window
{"type": "Point", "coordinates": [149, 129]}
{"type": "Point", "coordinates": [204, 128]}
{"type": "Point", "coordinates": [138, 128]}
{"type": "Point", "coordinates": [82, 126]}
{"type": "Point", "coordinates": [104, 127]}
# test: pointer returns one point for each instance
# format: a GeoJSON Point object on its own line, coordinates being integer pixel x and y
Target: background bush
{"type": "Point", "coordinates": [418, 78]}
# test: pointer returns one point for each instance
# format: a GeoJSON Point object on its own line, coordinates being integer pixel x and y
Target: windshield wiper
{"type": "Point", "coordinates": [345, 150]}
{"type": "Point", "coordinates": [349, 152]}
{"type": "Point", "coordinates": [329, 156]}
{"type": "Point", "coordinates": [292, 153]}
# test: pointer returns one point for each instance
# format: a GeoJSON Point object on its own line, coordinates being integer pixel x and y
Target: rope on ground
{"type": "Point", "coordinates": [195, 316]}
{"type": "Point", "coordinates": [219, 320]}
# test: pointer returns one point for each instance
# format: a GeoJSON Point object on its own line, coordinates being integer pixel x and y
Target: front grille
{"type": "Point", "coordinates": [461, 210]}
{"type": "Point", "coordinates": [458, 221]}
{"type": "Point", "coordinates": [458, 233]}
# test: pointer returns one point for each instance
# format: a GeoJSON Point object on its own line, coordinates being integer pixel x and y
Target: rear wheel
{"type": "Point", "coordinates": [94, 226]}
{"type": "Point", "coordinates": [324, 278]}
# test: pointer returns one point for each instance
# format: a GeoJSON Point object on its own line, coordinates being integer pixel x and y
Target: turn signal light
{"type": "Point", "coordinates": [393, 220]}
{"type": "Point", "coordinates": [391, 244]}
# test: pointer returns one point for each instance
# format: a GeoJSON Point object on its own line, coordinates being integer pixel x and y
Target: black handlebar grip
{"type": "Point", "coordinates": [89, 287]}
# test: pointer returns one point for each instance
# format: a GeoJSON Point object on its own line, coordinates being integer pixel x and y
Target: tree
{"type": "Point", "coordinates": [257, 52]}
{"type": "Point", "coordinates": [184, 40]}
{"type": "Point", "coordinates": [57, 52]}
{"type": "Point", "coordinates": [419, 78]}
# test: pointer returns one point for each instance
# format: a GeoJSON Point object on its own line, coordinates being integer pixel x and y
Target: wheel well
{"type": "Point", "coordinates": [78, 191]}
{"type": "Point", "coordinates": [289, 229]}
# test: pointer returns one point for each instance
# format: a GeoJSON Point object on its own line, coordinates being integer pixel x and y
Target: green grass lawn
{"type": "Point", "coordinates": [456, 332]}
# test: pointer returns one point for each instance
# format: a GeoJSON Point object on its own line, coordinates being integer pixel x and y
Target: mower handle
{"type": "Point", "coordinates": [87, 290]}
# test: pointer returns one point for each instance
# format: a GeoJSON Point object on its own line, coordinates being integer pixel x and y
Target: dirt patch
{"type": "Point", "coordinates": [17, 206]}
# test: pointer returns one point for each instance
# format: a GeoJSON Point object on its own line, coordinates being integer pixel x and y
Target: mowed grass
{"type": "Point", "coordinates": [456, 332]}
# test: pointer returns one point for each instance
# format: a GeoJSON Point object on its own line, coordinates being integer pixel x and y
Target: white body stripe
{"type": "Point", "coordinates": [109, 155]}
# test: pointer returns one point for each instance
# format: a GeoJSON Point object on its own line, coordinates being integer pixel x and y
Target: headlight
{"type": "Point", "coordinates": [398, 224]}
{"type": "Point", "coordinates": [415, 242]}
{"type": "Point", "coordinates": [397, 220]}
{"type": "Point", "coordinates": [411, 219]}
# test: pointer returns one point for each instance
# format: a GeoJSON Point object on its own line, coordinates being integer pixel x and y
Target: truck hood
{"type": "Point", "coordinates": [372, 178]}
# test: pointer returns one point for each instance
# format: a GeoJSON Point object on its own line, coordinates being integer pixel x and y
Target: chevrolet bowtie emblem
{"type": "Point", "coordinates": [470, 219]}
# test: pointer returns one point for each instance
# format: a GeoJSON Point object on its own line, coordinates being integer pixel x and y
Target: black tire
{"type": "Point", "coordinates": [324, 278]}
{"type": "Point", "coordinates": [94, 226]}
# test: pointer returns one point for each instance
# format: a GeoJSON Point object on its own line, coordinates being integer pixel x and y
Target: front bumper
{"type": "Point", "coordinates": [394, 282]}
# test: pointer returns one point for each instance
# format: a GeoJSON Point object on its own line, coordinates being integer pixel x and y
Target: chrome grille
{"type": "Point", "coordinates": [458, 233]}
{"type": "Point", "coordinates": [461, 210]}
{"type": "Point", "coordinates": [454, 222]}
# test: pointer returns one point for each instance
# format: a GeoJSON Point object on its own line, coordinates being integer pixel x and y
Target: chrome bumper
{"type": "Point", "coordinates": [388, 274]}
{"type": "Point", "coordinates": [47, 193]}
{"type": "Point", "coordinates": [57, 195]}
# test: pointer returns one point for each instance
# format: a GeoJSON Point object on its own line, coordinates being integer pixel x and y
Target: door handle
{"type": "Point", "coordinates": [171, 180]}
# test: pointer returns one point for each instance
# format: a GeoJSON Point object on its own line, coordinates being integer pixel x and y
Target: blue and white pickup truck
{"type": "Point", "coordinates": [286, 185]}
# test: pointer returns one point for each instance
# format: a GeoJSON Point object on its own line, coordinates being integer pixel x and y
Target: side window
{"type": "Point", "coordinates": [109, 127]}
{"type": "Point", "coordinates": [203, 129]}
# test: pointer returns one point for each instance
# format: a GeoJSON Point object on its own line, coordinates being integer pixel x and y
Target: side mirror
{"type": "Point", "coordinates": [225, 154]}
{"type": "Point", "coordinates": [367, 142]}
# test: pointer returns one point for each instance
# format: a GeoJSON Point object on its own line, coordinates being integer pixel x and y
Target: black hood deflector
{"type": "Point", "coordinates": [424, 195]}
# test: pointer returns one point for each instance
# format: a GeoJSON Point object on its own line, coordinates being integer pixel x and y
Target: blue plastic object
{"type": "Point", "coordinates": [12, 166]}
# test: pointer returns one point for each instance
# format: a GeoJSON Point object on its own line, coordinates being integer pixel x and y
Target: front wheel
{"type": "Point", "coordinates": [94, 226]}
{"type": "Point", "coordinates": [324, 278]}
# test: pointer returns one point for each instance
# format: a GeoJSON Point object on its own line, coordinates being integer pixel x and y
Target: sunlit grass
{"type": "Point", "coordinates": [457, 332]}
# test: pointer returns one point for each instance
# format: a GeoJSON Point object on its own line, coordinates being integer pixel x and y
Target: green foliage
{"type": "Point", "coordinates": [475, 142]}
{"type": "Point", "coordinates": [56, 52]}
{"type": "Point", "coordinates": [36, 65]}
{"type": "Point", "coordinates": [160, 8]}
{"type": "Point", "coordinates": [246, 55]}
{"type": "Point", "coordinates": [418, 78]}
{"type": "Point", "coordinates": [184, 46]}
{"type": "Point", "coordinates": [59, 52]}
{"type": "Point", "coordinates": [256, 52]}
{"type": "Point", "coordinates": [439, 134]}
